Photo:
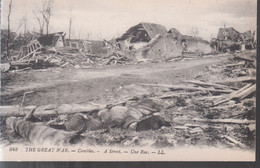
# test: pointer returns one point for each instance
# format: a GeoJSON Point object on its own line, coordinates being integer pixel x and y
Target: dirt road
{"type": "Point", "coordinates": [57, 85]}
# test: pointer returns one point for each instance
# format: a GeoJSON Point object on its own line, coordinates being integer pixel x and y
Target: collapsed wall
{"type": "Point", "coordinates": [160, 48]}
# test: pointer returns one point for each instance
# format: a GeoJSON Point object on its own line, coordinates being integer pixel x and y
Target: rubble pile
{"type": "Point", "coordinates": [226, 106]}
{"type": "Point", "coordinates": [40, 57]}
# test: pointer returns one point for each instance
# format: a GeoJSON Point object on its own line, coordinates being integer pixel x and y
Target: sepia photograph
{"type": "Point", "coordinates": [121, 80]}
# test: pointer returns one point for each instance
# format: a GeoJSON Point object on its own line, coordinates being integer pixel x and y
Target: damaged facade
{"type": "Point", "coordinates": [229, 34]}
{"type": "Point", "coordinates": [175, 33]}
{"type": "Point", "coordinates": [143, 32]}
{"type": "Point", "coordinates": [153, 41]}
{"type": "Point", "coordinates": [192, 44]}
{"type": "Point", "coordinates": [139, 35]}
{"type": "Point", "coordinates": [229, 39]}
{"type": "Point", "coordinates": [150, 41]}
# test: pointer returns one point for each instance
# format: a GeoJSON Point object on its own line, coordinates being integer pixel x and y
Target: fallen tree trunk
{"type": "Point", "coordinates": [48, 110]}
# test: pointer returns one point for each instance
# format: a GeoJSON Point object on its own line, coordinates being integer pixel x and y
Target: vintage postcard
{"type": "Point", "coordinates": [121, 80]}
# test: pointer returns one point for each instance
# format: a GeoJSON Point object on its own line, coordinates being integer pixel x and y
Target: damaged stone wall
{"type": "Point", "coordinates": [165, 48]}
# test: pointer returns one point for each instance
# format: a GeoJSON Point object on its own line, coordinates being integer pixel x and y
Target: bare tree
{"type": "Point", "coordinates": [8, 29]}
{"type": "Point", "coordinates": [70, 27]}
{"type": "Point", "coordinates": [79, 35]}
{"type": "Point", "coordinates": [25, 23]}
{"type": "Point", "coordinates": [47, 12]}
{"type": "Point", "coordinates": [70, 22]}
{"type": "Point", "coordinates": [194, 31]}
{"type": "Point", "coordinates": [40, 21]}
{"type": "Point", "coordinates": [88, 36]}
{"type": "Point", "coordinates": [20, 25]}
{"type": "Point", "coordinates": [45, 15]}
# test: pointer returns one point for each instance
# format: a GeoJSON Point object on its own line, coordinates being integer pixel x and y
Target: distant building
{"type": "Point", "coordinates": [229, 34]}
{"type": "Point", "coordinates": [229, 39]}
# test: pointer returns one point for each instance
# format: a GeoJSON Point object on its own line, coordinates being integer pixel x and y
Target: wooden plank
{"type": "Point", "coordinates": [251, 71]}
{"type": "Point", "coordinates": [186, 88]}
{"type": "Point", "coordinates": [33, 48]}
{"type": "Point", "coordinates": [28, 55]}
{"type": "Point", "coordinates": [246, 92]}
{"type": "Point", "coordinates": [237, 64]}
{"type": "Point", "coordinates": [18, 63]}
{"type": "Point", "coordinates": [240, 79]}
{"type": "Point", "coordinates": [244, 57]}
{"type": "Point", "coordinates": [225, 121]}
{"type": "Point", "coordinates": [234, 141]}
{"type": "Point", "coordinates": [48, 110]}
{"type": "Point", "coordinates": [200, 83]}
{"type": "Point", "coordinates": [240, 105]}
{"type": "Point", "coordinates": [29, 49]}
{"type": "Point", "coordinates": [233, 95]}
{"type": "Point", "coordinates": [15, 111]}
{"type": "Point", "coordinates": [209, 97]}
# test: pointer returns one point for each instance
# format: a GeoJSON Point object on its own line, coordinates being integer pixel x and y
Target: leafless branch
{"type": "Point", "coordinates": [8, 33]}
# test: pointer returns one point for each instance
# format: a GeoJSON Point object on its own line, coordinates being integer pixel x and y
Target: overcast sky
{"type": "Point", "coordinates": [111, 18]}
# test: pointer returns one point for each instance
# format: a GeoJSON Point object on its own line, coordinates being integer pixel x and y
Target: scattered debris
{"type": "Point", "coordinates": [218, 104]}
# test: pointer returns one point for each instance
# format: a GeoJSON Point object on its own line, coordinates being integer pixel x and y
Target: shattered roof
{"type": "Point", "coordinates": [230, 33]}
{"type": "Point", "coordinates": [175, 32]}
{"type": "Point", "coordinates": [152, 30]}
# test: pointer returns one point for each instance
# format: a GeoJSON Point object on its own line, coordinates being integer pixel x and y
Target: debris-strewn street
{"type": "Point", "coordinates": [203, 101]}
